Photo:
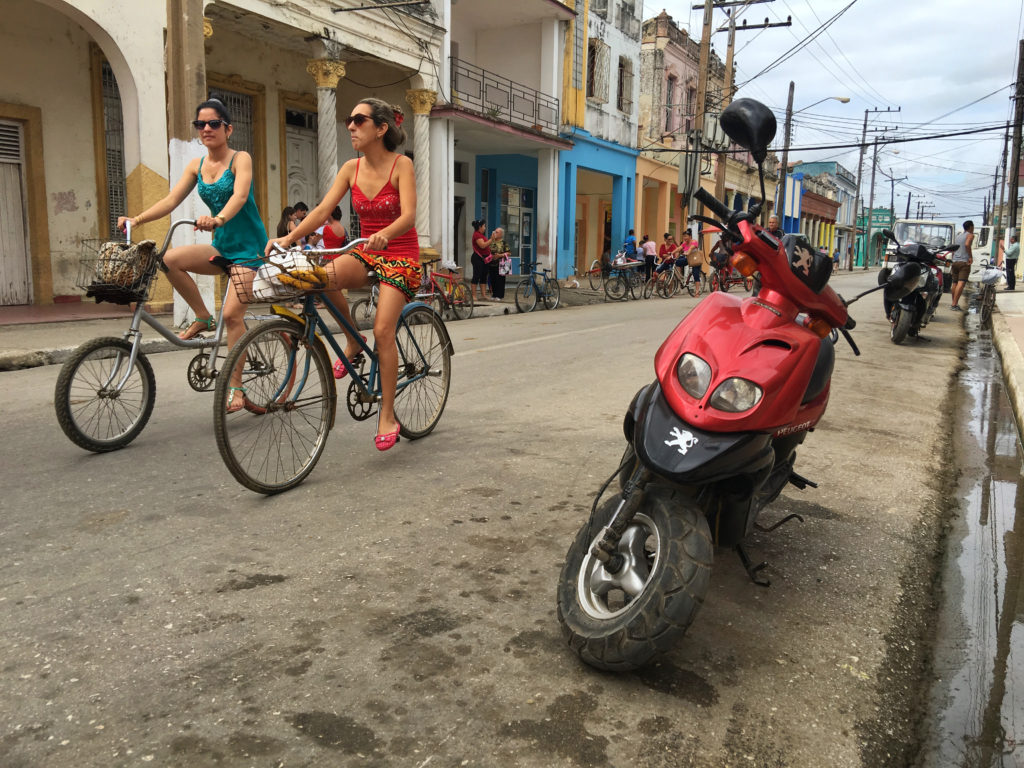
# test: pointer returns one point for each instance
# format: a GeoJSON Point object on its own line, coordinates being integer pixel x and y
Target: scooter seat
{"type": "Point", "coordinates": [822, 370]}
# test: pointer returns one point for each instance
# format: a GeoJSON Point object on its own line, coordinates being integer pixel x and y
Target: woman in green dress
{"type": "Point", "coordinates": [224, 179]}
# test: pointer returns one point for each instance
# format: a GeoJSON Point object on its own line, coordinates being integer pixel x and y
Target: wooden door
{"type": "Point", "coordinates": [15, 272]}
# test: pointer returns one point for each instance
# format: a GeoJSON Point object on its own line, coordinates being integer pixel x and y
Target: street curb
{"type": "Point", "coordinates": [20, 359]}
{"type": "Point", "coordinates": [1013, 363]}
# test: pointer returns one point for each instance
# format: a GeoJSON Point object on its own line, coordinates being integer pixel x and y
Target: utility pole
{"type": "Point", "coordinates": [860, 167]}
{"type": "Point", "coordinates": [871, 207]}
{"type": "Point", "coordinates": [909, 194]}
{"type": "Point", "coordinates": [1018, 118]}
{"type": "Point", "coordinates": [780, 207]}
{"type": "Point", "coordinates": [999, 219]}
{"type": "Point", "coordinates": [703, 59]}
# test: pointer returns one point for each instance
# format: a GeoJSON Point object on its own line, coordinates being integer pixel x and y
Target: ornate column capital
{"type": "Point", "coordinates": [421, 100]}
{"type": "Point", "coordinates": [207, 27]}
{"type": "Point", "coordinates": [326, 72]}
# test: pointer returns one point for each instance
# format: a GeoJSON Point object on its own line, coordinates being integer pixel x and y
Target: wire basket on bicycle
{"type": "Point", "coordinates": [118, 272]}
{"type": "Point", "coordinates": [283, 275]}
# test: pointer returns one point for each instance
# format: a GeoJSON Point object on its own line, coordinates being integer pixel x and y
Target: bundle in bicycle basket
{"type": "Point", "coordinates": [284, 276]}
{"type": "Point", "coordinates": [117, 272]}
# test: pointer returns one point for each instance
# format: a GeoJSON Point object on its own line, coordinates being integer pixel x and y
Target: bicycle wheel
{"type": "Point", "coordinates": [615, 288]}
{"type": "Point", "coordinates": [272, 443]}
{"type": "Point", "coordinates": [724, 283]}
{"type": "Point", "coordinates": [988, 302]}
{"type": "Point", "coordinates": [526, 296]}
{"type": "Point", "coordinates": [716, 282]}
{"type": "Point", "coordinates": [594, 275]}
{"type": "Point", "coordinates": [424, 371]}
{"type": "Point", "coordinates": [650, 286]}
{"type": "Point", "coordinates": [461, 302]}
{"type": "Point", "coordinates": [552, 293]}
{"type": "Point", "coordinates": [364, 312]}
{"type": "Point", "coordinates": [92, 414]}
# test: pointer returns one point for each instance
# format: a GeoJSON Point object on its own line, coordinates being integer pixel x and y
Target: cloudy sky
{"type": "Point", "coordinates": [948, 65]}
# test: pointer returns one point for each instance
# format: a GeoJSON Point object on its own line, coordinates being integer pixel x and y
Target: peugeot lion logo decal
{"type": "Point", "coordinates": [681, 439]}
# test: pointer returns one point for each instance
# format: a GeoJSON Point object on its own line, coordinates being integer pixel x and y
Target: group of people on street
{"type": "Point", "coordinates": [383, 193]}
{"type": "Point", "coordinates": [491, 261]}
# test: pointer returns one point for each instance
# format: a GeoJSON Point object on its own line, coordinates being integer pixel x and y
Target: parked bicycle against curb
{"type": "Point", "coordinates": [276, 439]}
{"type": "Point", "coordinates": [537, 285]}
{"type": "Point", "coordinates": [106, 389]}
{"type": "Point", "coordinates": [446, 293]}
{"type": "Point", "coordinates": [625, 280]}
{"type": "Point", "coordinates": [596, 274]}
{"type": "Point", "coordinates": [990, 277]}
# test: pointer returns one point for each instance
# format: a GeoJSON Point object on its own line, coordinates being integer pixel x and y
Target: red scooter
{"type": "Point", "coordinates": [711, 441]}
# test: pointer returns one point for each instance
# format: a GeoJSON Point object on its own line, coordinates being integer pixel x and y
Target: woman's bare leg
{"type": "Point", "coordinates": [191, 258]}
{"type": "Point", "coordinates": [389, 307]}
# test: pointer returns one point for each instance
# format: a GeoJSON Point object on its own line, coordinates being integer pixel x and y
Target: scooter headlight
{"type": "Point", "coordinates": [694, 374]}
{"type": "Point", "coordinates": [736, 395]}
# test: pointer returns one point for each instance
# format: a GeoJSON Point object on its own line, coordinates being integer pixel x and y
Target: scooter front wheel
{"type": "Point", "coordinates": [901, 322]}
{"type": "Point", "coordinates": [620, 621]}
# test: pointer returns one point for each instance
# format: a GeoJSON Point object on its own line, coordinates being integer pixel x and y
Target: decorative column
{"type": "Point", "coordinates": [326, 73]}
{"type": "Point", "coordinates": [422, 100]}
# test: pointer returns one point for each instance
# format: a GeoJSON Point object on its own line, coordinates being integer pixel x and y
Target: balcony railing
{"type": "Point", "coordinates": [489, 95]}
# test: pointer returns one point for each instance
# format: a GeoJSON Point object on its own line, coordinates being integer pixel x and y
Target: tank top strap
{"type": "Point", "coordinates": [355, 179]}
{"type": "Point", "coordinates": [201, 166]}
{"type": "Point", "coordinates": [232, 161]}
{"type": "Point", "coordinates": [393, 168]}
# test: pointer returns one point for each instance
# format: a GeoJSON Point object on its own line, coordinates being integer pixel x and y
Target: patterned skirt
{"type": "Point", "coordinates": [403, 273]}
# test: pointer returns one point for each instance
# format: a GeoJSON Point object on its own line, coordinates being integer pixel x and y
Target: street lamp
{"type": "Point", "coordinates": [781, 202]}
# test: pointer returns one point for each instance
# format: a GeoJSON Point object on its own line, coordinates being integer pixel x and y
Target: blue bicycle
{"type": "Point", "coordinates": [290, 400]}
{"type": "Point", "coordinates": [540, 285]}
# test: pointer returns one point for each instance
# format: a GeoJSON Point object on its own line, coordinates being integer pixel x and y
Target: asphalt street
{"type": "Point", "coordinates": [399, 609]}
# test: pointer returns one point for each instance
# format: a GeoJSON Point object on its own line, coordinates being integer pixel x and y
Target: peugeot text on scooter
{"type": "Point", "coordinates": [711, 441]}
{"type": "Point", "coordinates": [912, 288]}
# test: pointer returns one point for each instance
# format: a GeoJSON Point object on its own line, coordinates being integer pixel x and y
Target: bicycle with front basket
{"type": "Point", "coordinates": [538, 285]}
{"type": "Point", "coordinates": [290, 396]}
{"type": "Point", "coordinates": [106, 389]}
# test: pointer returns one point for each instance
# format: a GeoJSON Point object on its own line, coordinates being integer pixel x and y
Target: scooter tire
{"type": "Point", "coordinates": [900, 325]}
{"type": "Point", "coordinates": [672, 539]}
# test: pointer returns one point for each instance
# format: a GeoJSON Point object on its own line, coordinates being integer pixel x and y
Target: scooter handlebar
{"type": "Point", "coordinates": [710, 201]}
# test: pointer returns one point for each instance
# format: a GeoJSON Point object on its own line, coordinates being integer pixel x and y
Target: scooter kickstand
{"type": "Point", "coordinates": [783, 521]}
{"type": "Point", "coordinates": [751, 569]}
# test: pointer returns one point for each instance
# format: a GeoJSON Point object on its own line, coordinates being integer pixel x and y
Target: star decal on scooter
{"type": "Point", "coordinates": [682, 439]}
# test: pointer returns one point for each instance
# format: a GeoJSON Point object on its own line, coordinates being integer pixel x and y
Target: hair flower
{"type": "Point", "coordinates": [399, 117]}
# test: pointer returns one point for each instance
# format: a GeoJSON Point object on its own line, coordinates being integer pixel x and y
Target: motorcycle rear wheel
{"type": "Point", "coordinates": [620, 622]}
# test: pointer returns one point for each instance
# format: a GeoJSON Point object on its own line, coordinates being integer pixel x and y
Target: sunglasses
{"type": "Point", "coordinates": [215, 124]}
{"type": "Point", "coordinates": [357, 119]}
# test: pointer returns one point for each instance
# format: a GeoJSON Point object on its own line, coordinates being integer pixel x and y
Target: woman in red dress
{"type": "Point", "coordinates": [383, 186]}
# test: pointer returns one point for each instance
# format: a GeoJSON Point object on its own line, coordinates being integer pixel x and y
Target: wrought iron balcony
{"type": "Point", "coordinates": [497, 98]}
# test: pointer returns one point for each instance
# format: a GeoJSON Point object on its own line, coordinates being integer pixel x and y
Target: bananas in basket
{"type": "Point", "coordinates": [312, 279]}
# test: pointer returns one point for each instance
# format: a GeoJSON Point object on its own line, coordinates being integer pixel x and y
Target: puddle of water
{"type": "Point", "coordinates": [977, 698]}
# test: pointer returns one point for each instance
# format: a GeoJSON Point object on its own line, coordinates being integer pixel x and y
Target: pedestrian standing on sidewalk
{"type": "Point", "coordinates": [481, 251]}
{"type": "Point", "coordinates": [1009, 260]}
{"type": "Point", "coordinates": [499, 252]}
{"type": "Point", "coordinates": [650, 251]}
{"type": "Point", "coordinates": [962, 259]}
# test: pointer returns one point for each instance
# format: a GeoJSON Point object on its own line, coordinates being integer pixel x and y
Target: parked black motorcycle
{"type": "Point", "coordinates": [913, 288]}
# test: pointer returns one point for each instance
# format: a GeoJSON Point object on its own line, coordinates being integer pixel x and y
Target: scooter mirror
{"type": "Point", "coordinates": [888, 233]}
{"type": "Point", "coordinates": [751, 125]}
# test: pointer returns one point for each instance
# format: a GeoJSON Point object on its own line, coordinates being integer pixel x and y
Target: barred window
{"type": "Point", "coordinates": [625, 79]}
{"type": "Point", "coordinates": [598, 62]}
{"type": "Point", "coordinates": [113, 143]}
{"type": "Point", "coordinates": [240, 107]}
{"type": "Point", "coordinates": [600, 7]}
{"type": "Point", "coordinates": [670, 103]}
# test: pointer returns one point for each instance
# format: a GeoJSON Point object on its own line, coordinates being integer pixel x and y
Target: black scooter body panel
{"type": "Point", "coordinates": [714, 456]}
